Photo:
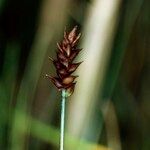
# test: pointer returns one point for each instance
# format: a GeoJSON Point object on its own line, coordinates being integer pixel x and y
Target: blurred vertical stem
{"type": "Point", "coordinates": [62, 123]}
{"type": "Point", "coordinates": [98, 42]}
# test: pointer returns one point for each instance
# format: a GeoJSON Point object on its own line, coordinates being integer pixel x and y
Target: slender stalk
{"type": "Point", "coordinates": [62, 124]}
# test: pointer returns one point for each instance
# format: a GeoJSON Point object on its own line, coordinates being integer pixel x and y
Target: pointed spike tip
{"type": "Point", "coordinates": [50, 58]}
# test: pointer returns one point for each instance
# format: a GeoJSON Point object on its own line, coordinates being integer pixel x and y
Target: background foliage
{"type": "Point", "coordinates": [114, 79]}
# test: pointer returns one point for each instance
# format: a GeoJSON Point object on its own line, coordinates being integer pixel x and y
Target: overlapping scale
{"type": "Point", "coordinates": [64, 64]}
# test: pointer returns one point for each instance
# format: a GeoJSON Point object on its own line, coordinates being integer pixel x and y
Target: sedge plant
{"type": "Point", "coordinates": [64, 80]}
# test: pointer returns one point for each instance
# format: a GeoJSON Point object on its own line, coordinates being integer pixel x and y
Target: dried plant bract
{"type": "Point", "coordinates": [64, 63]}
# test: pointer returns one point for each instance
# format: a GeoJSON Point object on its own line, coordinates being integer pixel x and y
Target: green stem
{"type": "Point", "coordinates": [62, 124]}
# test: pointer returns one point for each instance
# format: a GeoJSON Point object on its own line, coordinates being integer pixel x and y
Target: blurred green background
{"type": "Point", "coordinates": [110, 106]}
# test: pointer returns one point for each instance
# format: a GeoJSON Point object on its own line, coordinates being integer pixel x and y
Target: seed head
{"type": "Point", "coordinates": [64, 62]}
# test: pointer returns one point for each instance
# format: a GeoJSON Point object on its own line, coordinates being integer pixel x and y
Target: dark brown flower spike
{"type": "Point", "coordinates": [67, 51]}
